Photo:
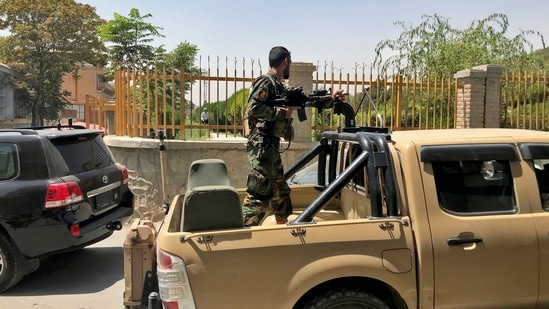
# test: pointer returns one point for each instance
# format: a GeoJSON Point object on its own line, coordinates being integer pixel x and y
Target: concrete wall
{"type": "Point", "coordinates": [142, 157]}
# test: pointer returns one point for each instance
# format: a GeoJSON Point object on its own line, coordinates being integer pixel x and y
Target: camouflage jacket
{"type": "Point", "coordinates": [259, 113]}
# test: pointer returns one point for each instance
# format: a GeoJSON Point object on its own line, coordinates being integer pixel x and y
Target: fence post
{"type": "Point", "coordinates": [110, 122]}
{"type": "Point", "coordinates": [301, 75]}
{"type": "Point", "coordinates": [478, 97]}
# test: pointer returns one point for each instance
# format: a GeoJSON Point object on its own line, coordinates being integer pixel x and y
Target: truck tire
{"type": "Point", "coordinates": [346, 298]}
{"type": "Point", "coordinates": [10, 267]}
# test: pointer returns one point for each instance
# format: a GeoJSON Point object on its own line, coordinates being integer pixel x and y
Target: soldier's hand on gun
{"type": "Point", "coordinates": [339, 95]}
{"type": "Point", "coordinates": [289, 111]}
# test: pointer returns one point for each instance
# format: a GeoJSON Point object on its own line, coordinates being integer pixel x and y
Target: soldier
{"type": "Point", "coordinates": [267, 190]}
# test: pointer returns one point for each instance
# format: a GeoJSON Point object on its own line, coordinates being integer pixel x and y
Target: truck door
{"type": "Point", "coordinates": [483, 234]}
{"type": "Point", "coordinates": [537, 175]}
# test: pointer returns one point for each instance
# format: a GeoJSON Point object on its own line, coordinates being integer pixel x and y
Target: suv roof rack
{"type": "Point", "coordinates": [58, 127]}
{"type": "Point", "coordinates": [21, 131]}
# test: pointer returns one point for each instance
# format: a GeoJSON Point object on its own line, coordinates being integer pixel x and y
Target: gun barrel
{"type": "Point", "coordinates": [320, 98]}
{"type": "Point", "coordinates": [311, 100]}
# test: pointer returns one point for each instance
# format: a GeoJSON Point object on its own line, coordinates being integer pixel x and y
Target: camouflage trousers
{"type": "Point", "coordinates": [267, 190]}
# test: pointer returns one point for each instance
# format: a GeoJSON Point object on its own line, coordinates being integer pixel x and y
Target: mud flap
{"type": "Point", "coordinates": [150, 285]}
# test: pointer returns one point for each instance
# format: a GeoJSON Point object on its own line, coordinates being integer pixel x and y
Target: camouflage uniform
{"type": "Point", "coordinates": [265, 181]}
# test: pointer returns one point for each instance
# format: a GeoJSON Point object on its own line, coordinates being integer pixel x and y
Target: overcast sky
{"type": "Point", "coordinates": [342, 32]}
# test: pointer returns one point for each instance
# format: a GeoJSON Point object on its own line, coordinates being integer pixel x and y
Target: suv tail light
{"type": "Point", "coordinates": [125, 175]}
{"type": "Point", "coordinates": [173, 282]}
{"type": "Point", "coordinates": [63, 194]}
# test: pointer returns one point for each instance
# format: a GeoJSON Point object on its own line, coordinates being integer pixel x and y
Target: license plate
{"type": "Point", "coordinates": [104, 199]}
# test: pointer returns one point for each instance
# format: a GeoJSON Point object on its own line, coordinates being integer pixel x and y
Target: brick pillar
{"type": "Point", "coordinates": [493, 94]}
{"type": "Point", "coordinates": [301, 75]}
{"type": "Point", "coordinates": [478, 98]}
{"type": "Point", "coordinates": [470, 99]}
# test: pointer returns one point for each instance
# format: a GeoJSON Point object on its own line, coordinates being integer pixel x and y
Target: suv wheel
{"type": "Point", "coordinates": [10, 271]}
{"type": "Point", "coordinates": [346, 298]}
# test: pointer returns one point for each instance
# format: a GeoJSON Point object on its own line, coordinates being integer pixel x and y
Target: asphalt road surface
{"type": "Point", "coordinates": [91, 278]}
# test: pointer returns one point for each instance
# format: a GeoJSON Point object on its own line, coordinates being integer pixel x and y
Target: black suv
{"type": "Point", "coordinates": [60, 190]}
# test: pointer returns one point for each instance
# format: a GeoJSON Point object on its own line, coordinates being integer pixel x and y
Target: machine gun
{"type": "Point", "coordinates": [295, 97]}
{"type": "Point", "coordinates": [319, 99]}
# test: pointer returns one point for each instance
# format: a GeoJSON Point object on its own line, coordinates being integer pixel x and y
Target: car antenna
{"type": "Point", "coordinates": [165, 204]}
{"type": "Point", "coordinates": [378, 115]}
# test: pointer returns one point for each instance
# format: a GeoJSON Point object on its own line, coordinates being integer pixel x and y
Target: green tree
{"type": "Point", "coordinates": [47, 39]}
{"type": "Point", "coordinates": [130, 40]}
{"type": "Point", "coordinates": [436, 47]}
{"type": "Point", "coordinates": [543, 54]}
{"type": "Point", "coordinates": [170, 89]}
{"type": "Point", "coordinates": [183, 58]}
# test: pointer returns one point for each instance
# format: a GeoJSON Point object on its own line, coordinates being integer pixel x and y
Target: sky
{"type": "Point", "coordinates": [341, 35]}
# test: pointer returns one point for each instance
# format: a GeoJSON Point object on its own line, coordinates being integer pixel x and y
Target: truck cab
{"type": "Point", "coordinates": [414, 219]}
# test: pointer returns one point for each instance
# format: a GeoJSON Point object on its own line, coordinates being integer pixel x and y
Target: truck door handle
{"type": "Point", "coordinates": [456, 241]}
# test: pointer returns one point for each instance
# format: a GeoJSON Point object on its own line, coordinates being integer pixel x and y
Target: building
{"type": "Point", "coordinates": [85, 80]}
{"type": "Point", "coordinates": [9, 115]}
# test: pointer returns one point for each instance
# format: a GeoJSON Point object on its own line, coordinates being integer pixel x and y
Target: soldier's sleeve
{"type": "Point", "coordinates": [257, 103]}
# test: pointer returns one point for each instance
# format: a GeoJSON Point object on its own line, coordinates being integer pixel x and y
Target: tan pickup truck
{"type": "Point", "coordinates": [412, 219]}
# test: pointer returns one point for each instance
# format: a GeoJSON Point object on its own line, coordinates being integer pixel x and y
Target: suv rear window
{"type": "Point", "coordinates": [83, 153]}
{"type": "Point", "coordinates": [8, 163]}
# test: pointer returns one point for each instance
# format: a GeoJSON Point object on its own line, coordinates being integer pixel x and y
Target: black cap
{"type": "Point", "coordinates": [277, 55]}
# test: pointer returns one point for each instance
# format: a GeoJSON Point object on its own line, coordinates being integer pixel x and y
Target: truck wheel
{"type": "Point", "coordinates": [346, 298]}
{"type": "Point", "coordinates": [10, 268]}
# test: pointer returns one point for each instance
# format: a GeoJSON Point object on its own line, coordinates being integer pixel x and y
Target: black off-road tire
{"type": "Point", "coordinates": [10, 264]}
{"type": "Point", "coordinates": [352, 298]}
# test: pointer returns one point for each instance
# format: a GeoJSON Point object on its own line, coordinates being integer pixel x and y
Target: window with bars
{"type": "Point", "coordinates": [3, 102]}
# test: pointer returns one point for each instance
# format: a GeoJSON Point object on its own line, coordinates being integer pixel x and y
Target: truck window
{"type": "Point", "coordinates": [541, 167]}
{"type": "Point", "coordinates": [359, 179]}
{"type": "Point", "coordinates": [474, 187]}
{"type": "Point", "coordinates": [350, 153]}
{"type": "Point", "coordinates": [7, 162]}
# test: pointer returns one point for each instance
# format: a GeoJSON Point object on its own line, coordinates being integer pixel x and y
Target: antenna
{"type": "Point", "coordinates": [205, 88]}
{"type": "Point", "coordinates": [378, 115]}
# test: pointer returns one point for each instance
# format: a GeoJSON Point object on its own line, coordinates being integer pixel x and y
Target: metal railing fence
{"type": "Point", "coordinates": [169, 99]}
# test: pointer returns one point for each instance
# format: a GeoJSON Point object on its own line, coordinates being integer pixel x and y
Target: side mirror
{"type": "Point", "coordinates": [489, 171]}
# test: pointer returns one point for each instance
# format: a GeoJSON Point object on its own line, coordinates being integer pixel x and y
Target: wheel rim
{"type": "Point", "coordinates": [2, 264]}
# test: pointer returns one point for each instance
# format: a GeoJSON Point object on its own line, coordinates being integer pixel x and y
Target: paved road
{"type": "Point", "coordinates": [92, 278]}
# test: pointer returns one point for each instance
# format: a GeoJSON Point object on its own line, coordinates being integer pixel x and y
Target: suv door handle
{"type": "Point", "coordinates": [456, 241]}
